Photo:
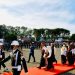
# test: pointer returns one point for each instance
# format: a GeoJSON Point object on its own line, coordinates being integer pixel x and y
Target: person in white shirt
{"type": "Point", "coordinates": [46, 55]}
{"type": "Point", "coordinates": [73, 52]}
{"type": "Point", "coordinates": [49, 59]}
{"type": "Point", "coordinates": [63, 54]}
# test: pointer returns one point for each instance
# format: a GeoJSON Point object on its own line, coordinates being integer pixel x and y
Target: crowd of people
{"type": "Point", "coordinates": [47, 56]}
{"type": "Point", "coordinates": [68, 53]}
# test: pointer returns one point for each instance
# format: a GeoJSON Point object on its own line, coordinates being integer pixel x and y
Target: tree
{"type": "Point", "coordinates": [10, 37]}
{"type": "Point", "coordinates": [11, 34]}
{"type": "Point", "coordinates": [29, 32]}
{"type": "Point", "coordinates": [23, 30]}
{"type": "Point", "coordinates": [60, 32]}
{"type": "Point", "coordinates": [36, 33]}
{"type": "Point", "coordinates": [3, 31]}
{"type": "Point", "coordinates": [44, 34]}
{"type": "Point", "coordinates": [72, 37]}
{"type": "Point", "coordinates": [17, 30]}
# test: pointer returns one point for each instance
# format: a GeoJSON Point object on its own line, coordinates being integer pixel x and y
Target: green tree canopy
{"type": "Point", "coordinates": [72, 37]}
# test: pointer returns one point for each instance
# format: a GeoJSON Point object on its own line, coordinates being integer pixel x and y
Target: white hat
{"type": "Point", "coordinates": [1, 43]}
{"type": "Point", "coordinates": [15, 42]}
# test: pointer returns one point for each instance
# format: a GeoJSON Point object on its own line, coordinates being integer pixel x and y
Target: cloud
{"type": "Point", "coordinates": [19, 2]}
{"type": "Point", "coordinates": [38, 13]}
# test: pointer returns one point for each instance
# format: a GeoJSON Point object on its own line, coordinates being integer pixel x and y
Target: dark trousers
{"type": "Point", "coordinates": [70, 58]}
{"type": "Point", "coordinates": [2, 65]}
{"type": "Point", "coordinates": [15, 72]}
{"type": "Point", "coordinates": [63, 59]}
{"type": "Point", "coordinates": [50, 63]}
{"type": "Point", "coordinates": [42, 62]}
{"type": "Point", "coordinates": [24, 65]}
{"type": "Point", "coordinates": [74, 57]}
{"type": "Point", "coordinates": [31, 54]}
{"type": "Point", "coordinates": [53, 58]}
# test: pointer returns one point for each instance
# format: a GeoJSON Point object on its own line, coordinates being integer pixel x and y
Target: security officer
{"type": "Point", "coordinates": [2, 54]}
{"type": "Point", "coordinates": [16, 57]}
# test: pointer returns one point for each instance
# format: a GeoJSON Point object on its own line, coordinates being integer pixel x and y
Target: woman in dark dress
{"type": "Point", "coordinates": [50, 56]}
{"type": "Point", "coordinates": [70, 58]}
{"type": "Point", "coordinates": [49, 59]}
{"type": "Point", "coordinates": [53, 54]}
{"type": "Point", "coordinates": [42, 60]}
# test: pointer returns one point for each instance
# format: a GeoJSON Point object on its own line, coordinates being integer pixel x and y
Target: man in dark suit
{"type": "Point", "coordinates": [16, 57]}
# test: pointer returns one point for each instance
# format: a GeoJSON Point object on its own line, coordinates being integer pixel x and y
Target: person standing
{"type": "Point", "coordinates": [32, 47]}
{"type": "Point", "coordinates": [63, 54]}
{"type": "Point", "coordinates": [70, 58]}
{"type": "Point", "coordinates": [49, 59]}
{"type": "Point", "coordinates": [16, 57]}
{"type": "Point", "coordinates": [73, 51]}
{"type": "Point", "coordinates": [53, 53]}
{"type": "Point", "coordinates": [43, 50]}
{"type": "Point", "coordinates": [2, 56]}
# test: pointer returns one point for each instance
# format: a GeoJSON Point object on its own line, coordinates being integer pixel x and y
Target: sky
{"type": "Point", "coordinates": [38, 13]}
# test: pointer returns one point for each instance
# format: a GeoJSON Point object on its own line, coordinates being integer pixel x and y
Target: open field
{"type": "Point", "coordinates": [37, 56]}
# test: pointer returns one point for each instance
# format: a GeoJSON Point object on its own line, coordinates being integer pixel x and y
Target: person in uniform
{"type": "Point", "coordinates": [63, 54]}
{"type": "Point", "coordinates": [32, 47]}
{"type": "Point", "coordinates": [2, 56]}
{"type": "Point", "coordinates": [17, 59]}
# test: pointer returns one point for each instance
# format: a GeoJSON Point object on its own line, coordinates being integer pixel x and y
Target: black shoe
{"type": "Point", "coordinates": [46, 69]}
{"type": "Point", "coordinates": [28, 61]}
{"type": "Point", "coordinates": [56, 61]}
{"type": "Point", "coordinates": [6, 70]}
{"type": "Point", "coordinates": [39, 67]}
